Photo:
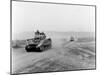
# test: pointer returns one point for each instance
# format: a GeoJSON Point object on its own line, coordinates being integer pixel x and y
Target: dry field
{"type": "Point", "coordinates": [63, 56]}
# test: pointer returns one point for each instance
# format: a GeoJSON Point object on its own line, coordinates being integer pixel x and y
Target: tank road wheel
{"type": "Point", "coordinates": [28, 48]}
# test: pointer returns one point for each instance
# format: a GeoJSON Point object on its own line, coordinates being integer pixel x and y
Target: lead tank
{"type": "Point", "coordinates": [38, 43]}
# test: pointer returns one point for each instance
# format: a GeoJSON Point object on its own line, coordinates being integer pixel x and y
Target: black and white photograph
{"type": "Point", "coordinates": [52, 37]}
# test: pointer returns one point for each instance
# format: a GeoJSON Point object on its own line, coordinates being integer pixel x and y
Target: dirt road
{"type": "Point", "coordinates": [58, 58]}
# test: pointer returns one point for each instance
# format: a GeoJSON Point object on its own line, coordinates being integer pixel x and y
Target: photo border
{"type": "Point", "coordinates": [59, 4]}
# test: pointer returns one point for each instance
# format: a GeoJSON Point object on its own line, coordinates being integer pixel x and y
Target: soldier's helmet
{"type": "Point", "coordinates": [37, 32]}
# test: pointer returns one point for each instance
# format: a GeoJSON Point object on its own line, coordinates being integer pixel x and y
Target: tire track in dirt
{"type": "Point", "coordinates": [29, 58]}
{"type": "Point", "coordinates": [51, 60]}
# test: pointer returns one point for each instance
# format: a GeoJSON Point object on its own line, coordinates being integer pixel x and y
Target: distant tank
{"type": "Point", "coordinates": [72, 38]}
{"type": "Point", "coordinates": [38, 43]}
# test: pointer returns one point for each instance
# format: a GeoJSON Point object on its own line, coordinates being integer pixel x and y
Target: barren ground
{"type": "Point", "coordinates": [63, 56]}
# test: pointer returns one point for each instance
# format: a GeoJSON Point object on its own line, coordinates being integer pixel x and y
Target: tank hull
{"type": "Point", "coordinates": [31, 48]}
{"type": "Point", "coordinates": [35, 48]}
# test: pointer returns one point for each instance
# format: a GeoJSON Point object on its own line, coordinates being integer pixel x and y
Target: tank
{"type": "Point", "coordinates": [72, 38]}
{"type": "Point", "coordinates": [38, 43]}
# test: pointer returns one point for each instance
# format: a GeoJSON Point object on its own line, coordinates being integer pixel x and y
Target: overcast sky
{"type": "Point", "coordinates": [27, 16]}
